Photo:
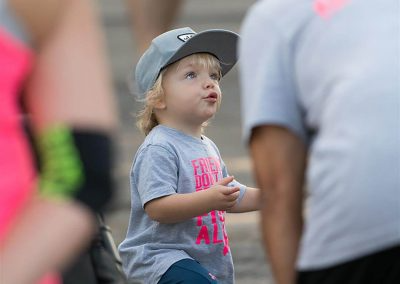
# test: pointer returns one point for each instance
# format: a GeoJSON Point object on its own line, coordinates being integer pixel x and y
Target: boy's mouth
{"type": "Point", "coordinates": [212, 97]}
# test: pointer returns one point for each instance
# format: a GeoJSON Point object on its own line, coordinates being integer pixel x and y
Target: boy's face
{"type": "Point", "coordinates": [192, 92]}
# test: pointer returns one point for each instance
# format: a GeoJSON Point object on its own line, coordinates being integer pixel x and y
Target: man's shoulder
{"type": "Point", "coordinates": [275, 20]}
{"type": "Point", "coordinates": [276, 9]}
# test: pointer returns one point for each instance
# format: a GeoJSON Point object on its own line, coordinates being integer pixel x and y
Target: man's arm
{"type": "Point", "coordinates": [279, 160]}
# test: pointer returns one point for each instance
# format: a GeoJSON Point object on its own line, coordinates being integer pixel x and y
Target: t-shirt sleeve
{"type": "Point", "coordinates": [268, 93]}
{"type": "Point", "coordinates": [155, 173]}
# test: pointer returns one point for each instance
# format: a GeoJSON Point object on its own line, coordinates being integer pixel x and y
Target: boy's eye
{"type": "Point", "coordinates": [215, 76]}
{"type": "Point", "coordinates": [190, 75]}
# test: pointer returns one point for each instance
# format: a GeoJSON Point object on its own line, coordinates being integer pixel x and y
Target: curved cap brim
{"type": "Point", "coordinates": [220, 43]}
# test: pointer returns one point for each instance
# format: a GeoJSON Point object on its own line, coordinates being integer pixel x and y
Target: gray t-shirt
{"type": "Point", "coordinates": [329, 72]}
{"type": "Point", "coordinates": [171, 162]}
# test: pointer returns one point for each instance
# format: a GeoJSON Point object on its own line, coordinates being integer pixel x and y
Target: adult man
{"type": "Point", "coordinates": [320, 93]}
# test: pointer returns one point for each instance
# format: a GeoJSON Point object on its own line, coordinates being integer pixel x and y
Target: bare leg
{"type": "Point", "coordinates": [151, 18]}
{"type": "Point", "coordinates": [45, 237]}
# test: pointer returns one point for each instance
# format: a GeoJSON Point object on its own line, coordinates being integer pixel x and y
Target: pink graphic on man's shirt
{"type": "Point", "coordinates": [326, 8]}
{"type": "Point", "coordinates": [206, 172]}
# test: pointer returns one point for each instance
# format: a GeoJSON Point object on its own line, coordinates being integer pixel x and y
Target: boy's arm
{"type": "Point", "coordinates": [181, 207]}
{"type": "Point", "coordinates": [250, 201]}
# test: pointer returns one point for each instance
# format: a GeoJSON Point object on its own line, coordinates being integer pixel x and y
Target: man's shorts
{"type": "Point", "coordinates": [378, 268]}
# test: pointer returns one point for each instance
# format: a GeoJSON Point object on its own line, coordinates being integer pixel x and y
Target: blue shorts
{"type": "Point", "coordinates": [187, 271]}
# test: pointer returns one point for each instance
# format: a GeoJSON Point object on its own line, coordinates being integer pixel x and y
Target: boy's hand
{"type": "Point", "coordinates": [223, 197]}
{"type": "Point", "coordinates": [176, 208]}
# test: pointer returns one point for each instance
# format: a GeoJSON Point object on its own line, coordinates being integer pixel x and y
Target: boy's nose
{"type": "Point", "coordinates": [209, 83]}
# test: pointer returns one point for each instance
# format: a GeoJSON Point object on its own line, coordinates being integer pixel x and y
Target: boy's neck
{"type": "Point", "coordinates": [194, 131]}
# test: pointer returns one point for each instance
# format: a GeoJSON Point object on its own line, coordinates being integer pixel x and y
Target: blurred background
{"type": "Point", "coordinates": [225, 129]}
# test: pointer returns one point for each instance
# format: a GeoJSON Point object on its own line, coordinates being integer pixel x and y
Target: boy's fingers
{"type": "Point", "coordinates": [230, 190]}
{"type": "Point", "coordinates": [233, 196]}
{"type": "Point", "coordinates": [225, 180]}
{"type": "Point", "coordinates": [236, 194]}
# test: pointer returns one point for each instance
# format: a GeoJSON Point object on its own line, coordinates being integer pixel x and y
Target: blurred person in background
{"type": "Point", "coordinates": [52, 60]}
{"type": "Point", "coordinates": [150, 18]}
{"type": "Point", "coordinates": [321, 105]}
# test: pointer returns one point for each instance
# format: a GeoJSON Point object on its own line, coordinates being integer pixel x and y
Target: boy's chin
{"type": "Point", "coordinates": [208, 116]}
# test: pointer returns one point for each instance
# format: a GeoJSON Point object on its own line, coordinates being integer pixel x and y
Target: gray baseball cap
{"type": "Point", "coordinates": [176, 44]}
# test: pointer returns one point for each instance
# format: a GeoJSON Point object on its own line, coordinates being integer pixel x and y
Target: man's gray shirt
{"type": "Point", "coordinates": [329, 72]}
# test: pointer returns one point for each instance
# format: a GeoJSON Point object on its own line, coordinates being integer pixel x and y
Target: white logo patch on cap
{"type": "Point", "coordinates": [185, 37]}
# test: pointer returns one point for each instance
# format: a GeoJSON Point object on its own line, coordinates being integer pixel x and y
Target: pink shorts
{"type": "Point", "coordinates": [17, 174]}
{"type": "Point", "coordinates": [17, 181]}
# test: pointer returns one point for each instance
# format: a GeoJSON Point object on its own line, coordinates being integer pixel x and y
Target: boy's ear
{"type": "Point", "coordinates": [160, 104]}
